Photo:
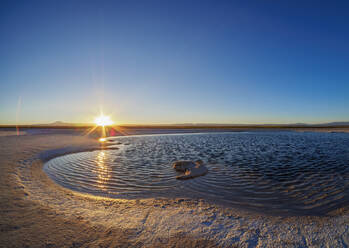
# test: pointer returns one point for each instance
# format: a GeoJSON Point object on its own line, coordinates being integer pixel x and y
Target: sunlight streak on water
{"type": "Point", "coordinates": [302, 173]}
{"type": "Point", "coordinates": [103, 170]}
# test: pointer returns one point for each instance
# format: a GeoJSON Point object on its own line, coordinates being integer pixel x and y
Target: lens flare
{"type": "Point", "coordinates": [103, 120]}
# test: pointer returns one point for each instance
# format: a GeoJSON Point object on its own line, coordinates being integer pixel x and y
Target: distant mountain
{"type": "Point", "coordinates": [343, 123]}
{"type": "Point", "coordinates": [329, 124]}
{"type": "Point", "coordinates": [61, 124]}
{"type": "Point", "coordinates": [338, 123]}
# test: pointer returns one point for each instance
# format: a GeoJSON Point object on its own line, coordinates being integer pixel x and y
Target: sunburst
{"type": "Point", "coordinates": [103, 121]}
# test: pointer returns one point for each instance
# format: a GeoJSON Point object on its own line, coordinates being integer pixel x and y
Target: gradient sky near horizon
{"type": "Point", "coordinates": [174, 61]}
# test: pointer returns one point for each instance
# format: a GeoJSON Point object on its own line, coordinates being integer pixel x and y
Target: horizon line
{"type": "Point", "coordinates": [184, 125]}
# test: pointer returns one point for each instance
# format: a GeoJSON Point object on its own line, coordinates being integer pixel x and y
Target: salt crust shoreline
{"type": "Point", "coordinates": [36, 212]}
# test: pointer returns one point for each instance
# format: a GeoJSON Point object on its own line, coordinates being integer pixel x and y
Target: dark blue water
{"type": "Point", "coordinates": [281, 172]}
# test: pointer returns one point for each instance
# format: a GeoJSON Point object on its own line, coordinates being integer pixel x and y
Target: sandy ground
{"type": "Point", "coordinates": [35, 212]}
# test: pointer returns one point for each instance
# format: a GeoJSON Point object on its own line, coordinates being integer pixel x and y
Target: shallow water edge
{"type": "Point", "coordinates": [266, 179]}
{"type": "Point", "coordinates": [158, 223]}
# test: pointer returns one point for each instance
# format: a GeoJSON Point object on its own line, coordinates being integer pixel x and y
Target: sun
{"type": "Point", "coordinates": [103, 121]}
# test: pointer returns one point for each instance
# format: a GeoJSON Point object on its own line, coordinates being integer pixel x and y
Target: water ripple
{"type": "Point", "coordinates": [301, 173]}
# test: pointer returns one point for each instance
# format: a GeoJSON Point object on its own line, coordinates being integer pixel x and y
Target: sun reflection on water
{"type": "Point", "coordinates": [102, 170]}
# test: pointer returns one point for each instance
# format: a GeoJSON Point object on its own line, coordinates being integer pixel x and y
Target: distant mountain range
{"type": "Point", "coordinates": [339, 123]}
{"type": "Point", "coordinates": [342, 123]}
{"type": "Point", "coordinates": [61, 124]}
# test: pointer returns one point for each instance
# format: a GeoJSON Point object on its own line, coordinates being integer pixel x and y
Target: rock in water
{"type": "Point", "coordinates": [183, 165]}
{"type": "Point", "coordinates": [191, 169]}
{"type": "Point", "coordinates": [197, 171]}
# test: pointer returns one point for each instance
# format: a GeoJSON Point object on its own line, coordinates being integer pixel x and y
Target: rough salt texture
{"type": "Point", "coordinates": [35, 212]}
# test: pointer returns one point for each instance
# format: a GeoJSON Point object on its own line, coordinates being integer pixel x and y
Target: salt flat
{"type": "Point", "coordinates": [36, 212]}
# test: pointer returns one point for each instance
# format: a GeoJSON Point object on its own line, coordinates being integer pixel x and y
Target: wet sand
{"type": "Point", "coordinates": [35, 212]}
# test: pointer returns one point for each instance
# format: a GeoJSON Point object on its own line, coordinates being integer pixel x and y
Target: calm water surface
{"type": "Point", "coordinates": [278, 172]}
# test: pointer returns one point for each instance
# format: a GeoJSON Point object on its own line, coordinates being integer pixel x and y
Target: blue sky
{"type": "Point", "coordinates": [174, 61]}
